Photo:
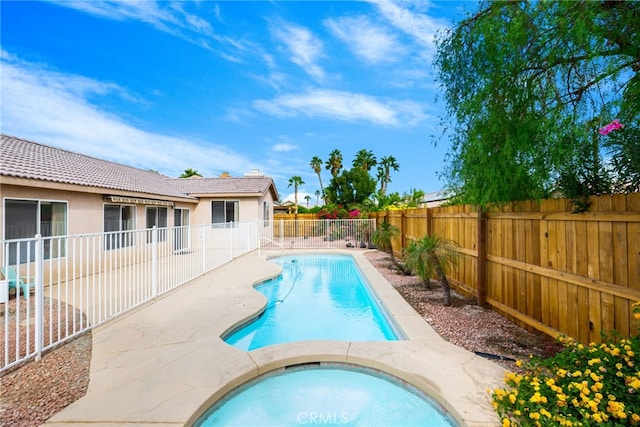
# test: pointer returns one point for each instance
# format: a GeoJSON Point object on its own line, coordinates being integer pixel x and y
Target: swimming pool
{"type": "Point", "coordinates": [317, 297]}
{"type": "Point", "coordinates": [332, 394]}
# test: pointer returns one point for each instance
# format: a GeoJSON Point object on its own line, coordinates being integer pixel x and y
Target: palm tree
{"type": "Point", "coordinates": [307, 198]}
{"type": "Point", "coordinates": [317, 193]}
{"type": "Point", "coordinates": [380, 179]}
{"type": "Point", "coordinates": [430, 255]}
{"type": "Point", "coordinates": [382, 202]}
{"type": "Point", "coordinates": [316, 165]}
{"type": "Point", "coordinates": [295, 181]}
{"type": "Point", "coordinates": [413, 198]}
{"type": "Point", "coordinates": [334, 164]}
{"type": "Point", "coordinates": [364, 159]}
{"type": "Point", "coordinates": [188, 173]}
{"type": "Point", "coordinates": [387, 163]}
{"type": "Point", "coordinates": [383, 238]}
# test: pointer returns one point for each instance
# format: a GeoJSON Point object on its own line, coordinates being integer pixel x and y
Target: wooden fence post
{"type": "Point", "coordinates": [403, 225]}
{"type": "Point", "coordinates": [429, 221]}
{"type": "Point", "coordinates": [482, 258]}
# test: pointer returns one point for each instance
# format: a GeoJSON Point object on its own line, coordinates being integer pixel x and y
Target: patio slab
{"type": "Point", "coordinates": [164, 363]}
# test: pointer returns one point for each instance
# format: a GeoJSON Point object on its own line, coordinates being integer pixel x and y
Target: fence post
{"type": "Point", "coordinates": [482, 258]}
{"type": "Point", "coordinates": [429, 221]}
{"type": "Point", "coordinates": [403, 231]}
{"type": "Point", "coordinates": [154, 261]}
{"type": "Point", "coordinates": [231, 242]}
{"type": "Point", "coordinates": [282, 233]}
{"type": "Point", "coordinates": [39, 314]}
{"type": "Point", "coordinates": [204, 248]}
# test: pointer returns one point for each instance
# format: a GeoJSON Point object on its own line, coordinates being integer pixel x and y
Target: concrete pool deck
{"type": "Point", "coordinates": [164, 364]}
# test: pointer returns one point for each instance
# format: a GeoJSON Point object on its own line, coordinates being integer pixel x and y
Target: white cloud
{"type": "Point", "coordinates": [53, 108]}
{"type": "Point", "coordinates": [412, 21]}
{"type": "Point", "coordinates": [217, 12]}
{"type": "Point", "coordinates": [164, 19]}
{"type": "Point", "coordinates": [304, 48]}
{"type": "Point", "coordinates": [372, 42]}
{"type": "Point", "coordinates": [282, 144]}
{"type": "Point", "coordinates": [171, 18]}
{"type": "Point", "coordinates": [284, 147]}
{"type": "Point", "coordinates": [346, 106]}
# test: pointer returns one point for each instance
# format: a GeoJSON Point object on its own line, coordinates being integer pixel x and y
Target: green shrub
{"type": "Point", "coordinates": [583, 385]}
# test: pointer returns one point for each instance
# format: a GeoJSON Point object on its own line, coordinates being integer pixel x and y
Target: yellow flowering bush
{"type": "Point", "coordinates": [582, 385]}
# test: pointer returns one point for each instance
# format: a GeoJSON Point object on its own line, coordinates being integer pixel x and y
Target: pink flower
{"type": "Point", "coordinates": [610, 127]}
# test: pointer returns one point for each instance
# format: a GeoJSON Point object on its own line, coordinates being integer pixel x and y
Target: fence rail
{"type": "Point", "coordinates": [541, 265]}
{"type": "Point", "coordinates": [55, 288]}
{"type": "Point", "coordinates": [317, 233]}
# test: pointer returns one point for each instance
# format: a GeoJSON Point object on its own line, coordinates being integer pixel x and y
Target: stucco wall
{"type": "Point", "coordinates": [85, 210]}
{"type": "Point", "coordinates": [250, 209]}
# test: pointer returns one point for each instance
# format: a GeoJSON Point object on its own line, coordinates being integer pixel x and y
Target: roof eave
{"type": "Point", "coordinates": [62, 186]}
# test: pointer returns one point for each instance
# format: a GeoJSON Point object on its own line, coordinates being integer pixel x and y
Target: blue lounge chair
{"type": "Point", "coordinates": [15, 281]}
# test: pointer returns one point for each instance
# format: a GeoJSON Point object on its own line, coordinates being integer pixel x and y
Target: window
{"type": "Point", "coordinates": [157, 217]}
{"type": "Point", "coordinates": [26, 218]}
{"type": "Point", "coordinates": [181, 233]}
{"type": "Point", "coordinates": [224, 214]}
{"type": "Point", "coordinates": [119, 221]}
{"type": "Point", "coordinates": [265, 213]}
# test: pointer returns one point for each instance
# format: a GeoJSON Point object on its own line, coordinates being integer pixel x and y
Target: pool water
{"type": "Point", "coordinates": [317, 297]}
{"type": "Point", "coordinates": [332, 395]}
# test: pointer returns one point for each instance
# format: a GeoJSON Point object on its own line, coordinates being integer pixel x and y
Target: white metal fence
{"type": "Point", "coordinates": [317, 234]}
{"type": "Point", "coordinates": [55, 288]}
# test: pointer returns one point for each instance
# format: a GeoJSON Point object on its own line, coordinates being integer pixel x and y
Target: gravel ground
{"type": "Point", "coordinates": [32, 393]}
{"type": "Point", "coordinates": [465, 324]}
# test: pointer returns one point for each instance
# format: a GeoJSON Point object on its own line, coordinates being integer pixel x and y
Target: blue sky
{"type": "Point", "coordinates": [229, 86]}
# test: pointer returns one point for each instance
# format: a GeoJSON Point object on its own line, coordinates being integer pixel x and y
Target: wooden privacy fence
{"type": "Point", "coordinates": [541, 265]}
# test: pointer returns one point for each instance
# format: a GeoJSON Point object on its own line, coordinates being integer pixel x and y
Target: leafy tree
{"type": "Point", "coordinates": [316, 165]}
{"type": "Point", "coordinates": [333, 212]}
{"type": "Point", "coordinates": [365, 159]}
{"type": "Point", "coordinates": [428, 256]}
{"type": "Point", "coordinates": [528, 84]}
{"type": "Point", "coordinates": [334, 164]}
{"type": "Point", "coordinates": [585, 175]}
{"type": "Point", "coordinates": [352, 186]}
{"type": "Point", "coordinates": [295, 181]}
{"type": "Point", "coordinates": [188, 173]}
{"type": "Point", "coordinates": [624, 148]}
{"type": "Point", "coordinates": [385, 166]}
{"type": "Point", "coordinates": [312, 209]}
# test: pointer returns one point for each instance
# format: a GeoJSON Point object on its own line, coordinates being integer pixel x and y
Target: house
{"type": "Point", "coordinates": [435, 199]}
{"type": "Point", "coordinates": [283, 208]}
{"type": "Point", "coordinates": [54, 192]}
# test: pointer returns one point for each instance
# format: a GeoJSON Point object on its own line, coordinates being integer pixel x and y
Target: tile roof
{"type": "Point", "coordinates": [206, 186]}
{"type": "Point", "coordinates": [26, 159]}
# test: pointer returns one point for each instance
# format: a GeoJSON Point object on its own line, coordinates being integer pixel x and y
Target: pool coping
{"type": "Point", "coordinates": [164, 363]}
